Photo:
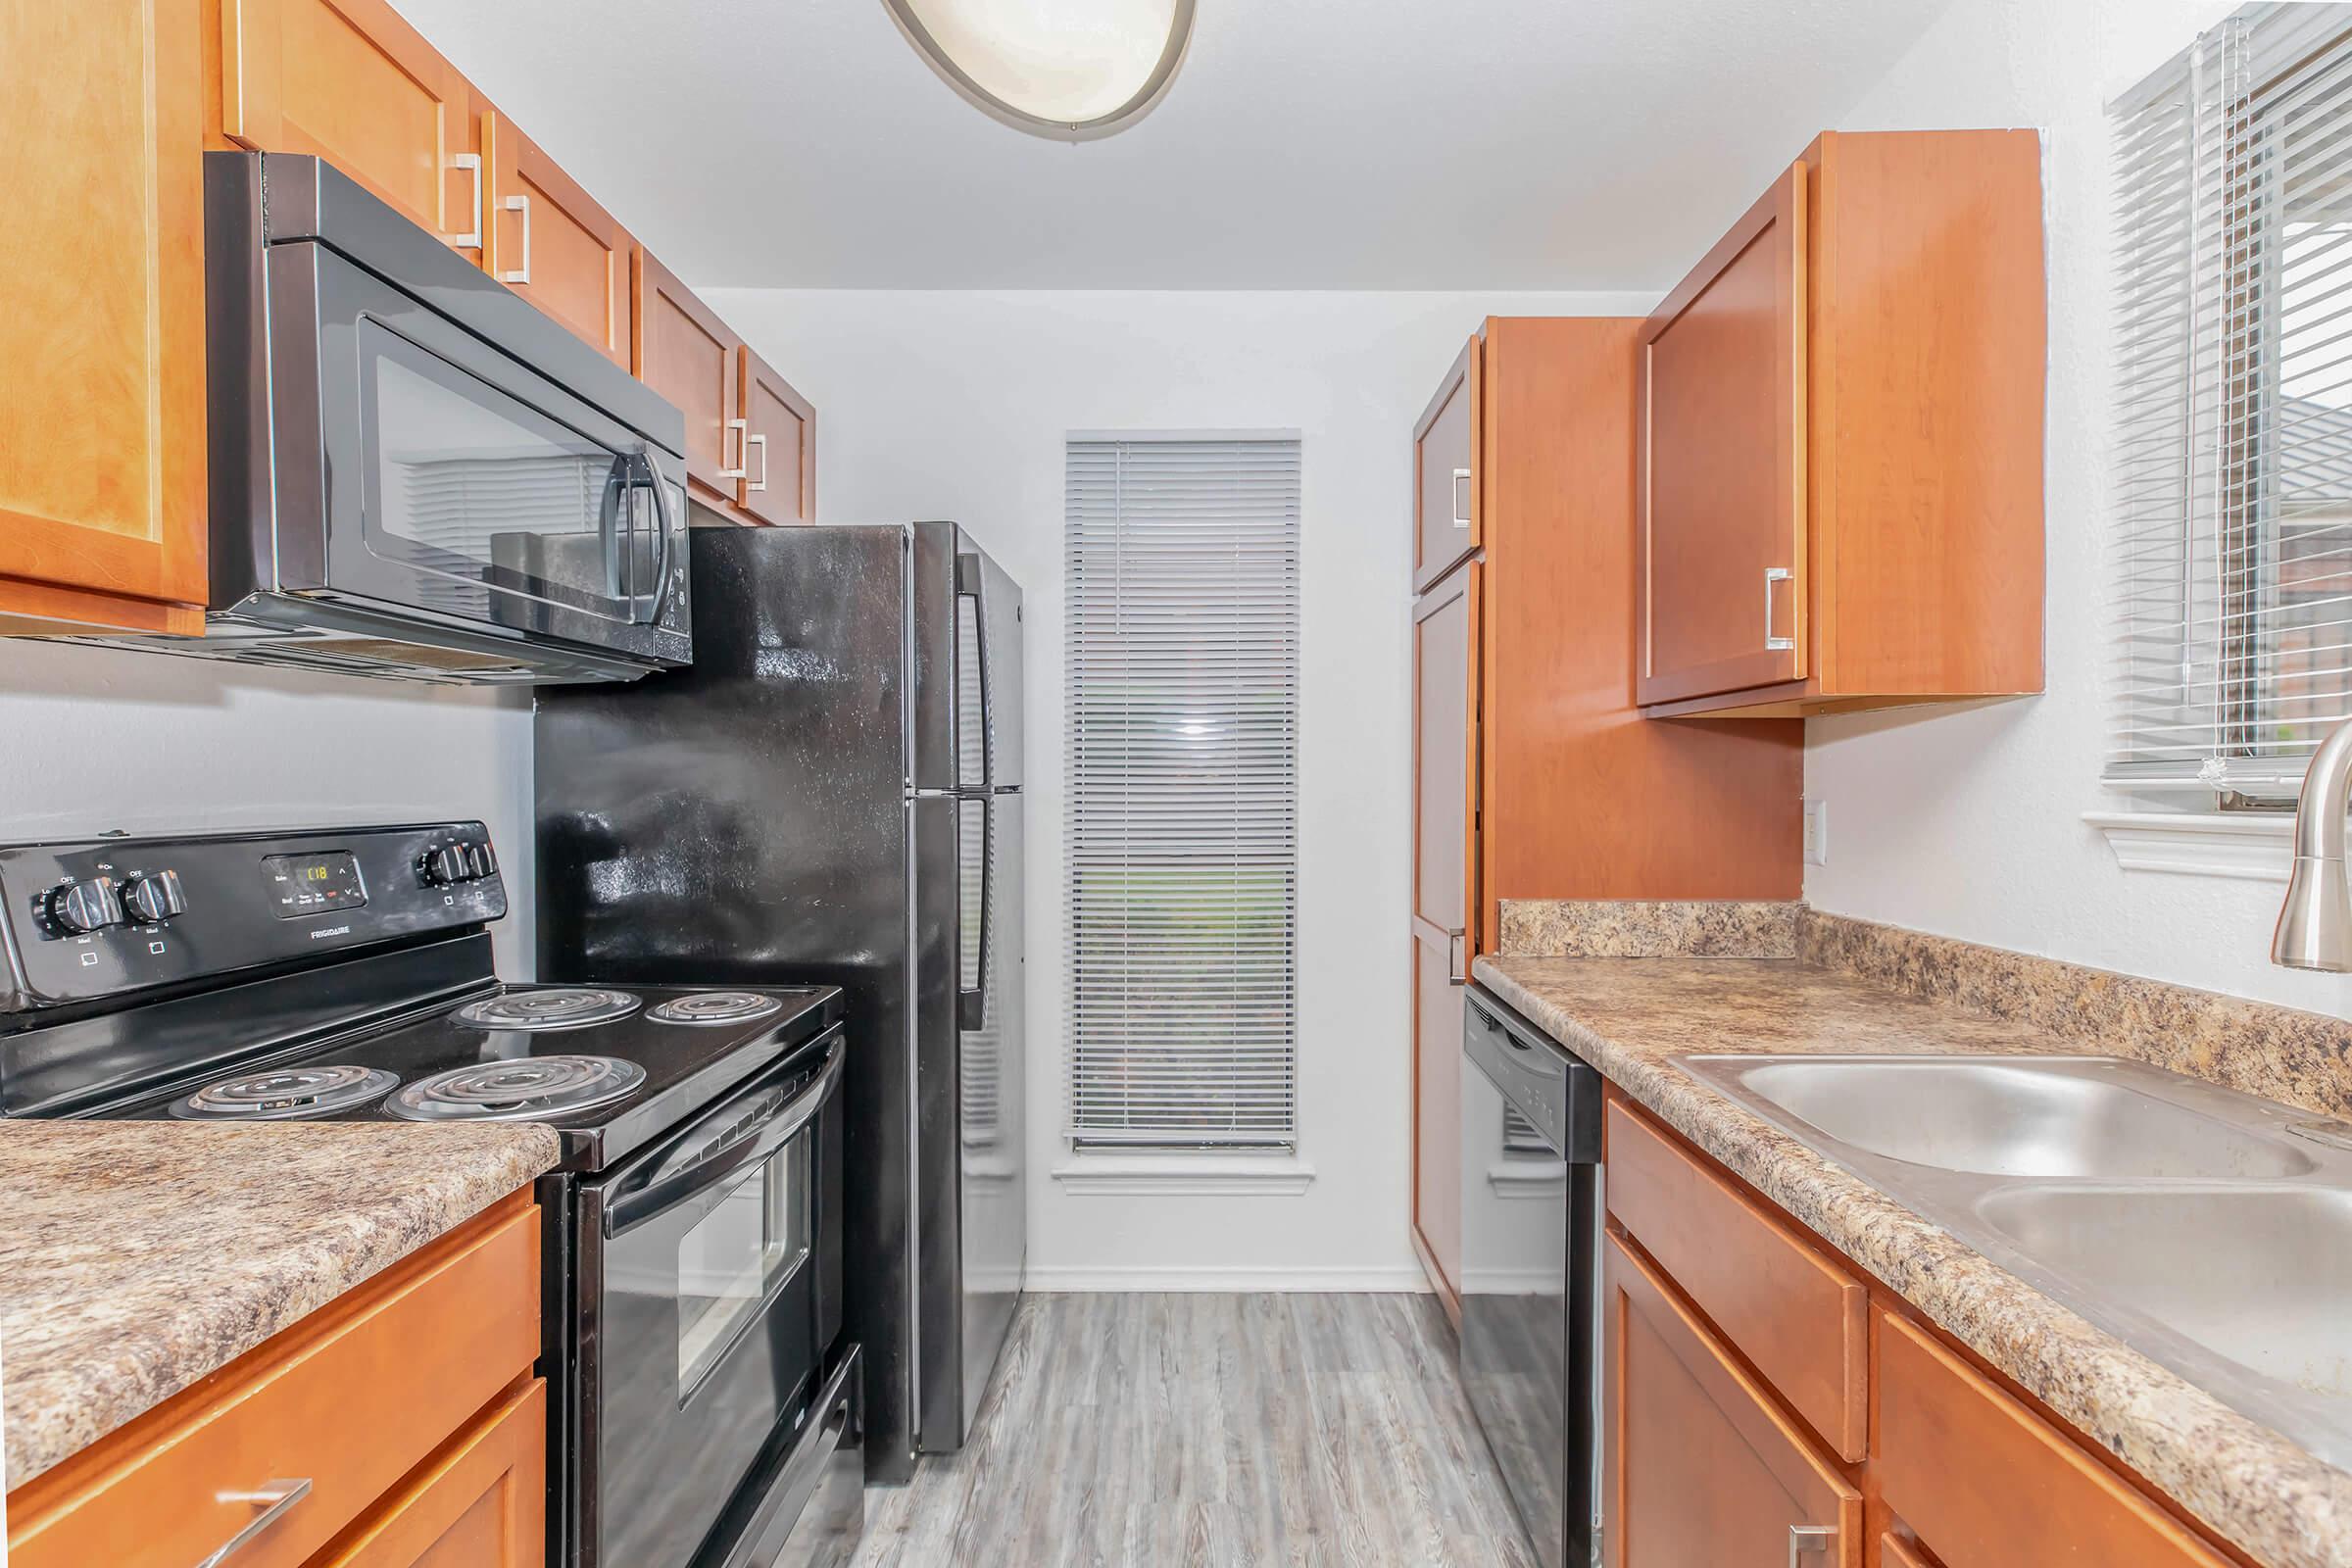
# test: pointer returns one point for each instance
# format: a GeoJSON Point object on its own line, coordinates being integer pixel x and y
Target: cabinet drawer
{"type": "Point", "coordinates": [1799, 1318]}
{"type": "Point", "coordinates": [482, 1501]}
{"type": "Point", "coordinates": [1986, 1483]}
{"type": "Point", "coordinates": [351, 1399]}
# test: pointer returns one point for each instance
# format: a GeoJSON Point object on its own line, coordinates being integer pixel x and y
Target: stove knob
{"type": "Point", "coordinates": [85, 907]}
{"type": "Point", "coordinates": [445, 867]}
{"type": "Point", "coordinates": [152, 899]}
{"type": "Point", "coordinates": [485, 863]}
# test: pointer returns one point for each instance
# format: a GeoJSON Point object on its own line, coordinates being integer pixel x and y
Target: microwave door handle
{"type": "Point", "coordinates": [647, 608]}
{"type": "Point", "coordinates": [660, 1197]}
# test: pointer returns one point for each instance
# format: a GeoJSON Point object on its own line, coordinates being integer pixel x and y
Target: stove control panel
{"type": "Point", "coordinates": [93, 919]}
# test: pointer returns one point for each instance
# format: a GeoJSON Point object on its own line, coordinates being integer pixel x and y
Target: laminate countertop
{"type": "Point", "coordinates": [137, 1258]}
{"type": "Point", "coordinates": [1629, 1017]}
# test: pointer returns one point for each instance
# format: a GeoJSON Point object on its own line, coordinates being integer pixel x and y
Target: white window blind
{"type": "Point", "coordinates": [2232, 576]}
{"type": "Point", "coordinates": [1182, 648]}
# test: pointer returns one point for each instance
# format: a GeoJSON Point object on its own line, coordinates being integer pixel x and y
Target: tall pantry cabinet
{"type": "Point", "coordinates": [1535, 775]}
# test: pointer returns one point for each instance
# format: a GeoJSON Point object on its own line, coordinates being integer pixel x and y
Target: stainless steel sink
{"type": "Point", "coordinates": [2263, 1275]}
{"type": "Point", "coordinates": [2210, 1230]}
{"type": "Point", "coordinates": [2007, 1117]}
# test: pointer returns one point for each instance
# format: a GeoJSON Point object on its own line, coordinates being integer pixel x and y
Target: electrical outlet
{"type": "Point", "coordinates": [1817, 832]}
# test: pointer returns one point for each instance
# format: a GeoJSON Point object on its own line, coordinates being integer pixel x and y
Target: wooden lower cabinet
{"type": "Point", "coordinates": [406, 1414]}
{"type": "Point", "coordinates": [1704, 1466]}
{"type": "Point", "coordinates": [1709, 1459]}
{"type": "Point", "coordinates": [480, 1504]}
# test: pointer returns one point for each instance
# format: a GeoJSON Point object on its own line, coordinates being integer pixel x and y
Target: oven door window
{"type": "Point", "coordinates": [738, 1254]}
{"type": "Point", "coordinates": [490, 503]}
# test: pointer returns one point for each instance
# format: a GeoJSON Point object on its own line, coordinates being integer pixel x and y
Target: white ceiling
{"type": "Point", "coordinates": [1392, 144]}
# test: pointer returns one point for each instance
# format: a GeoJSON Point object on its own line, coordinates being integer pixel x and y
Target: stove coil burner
{"type": "Point", "coordinates": [528, 1089]}
{"type": "Point", "coordinates": [286, 1095]}
{"type": "Point", "coordinates": [556, 1008]}
{"type": "Point", "coordinates": [715, 1006]}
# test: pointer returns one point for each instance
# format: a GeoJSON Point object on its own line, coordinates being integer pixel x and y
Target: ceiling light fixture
{"type": "Point", "coordinates": [1067, 68]}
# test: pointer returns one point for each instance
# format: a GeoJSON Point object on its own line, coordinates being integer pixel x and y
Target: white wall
{"type": "Point", "coordinates": [1970, 823]}
{"type": "Point", "coordinates": [92, 739]}
{"type": "Point", "coordinates": [956, 404]}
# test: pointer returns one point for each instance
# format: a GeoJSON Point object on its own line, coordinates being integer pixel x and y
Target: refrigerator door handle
{"type": "Point", "coordinates": [971, 582]}
{"type": "Point", "coordinates": [971, 1001]}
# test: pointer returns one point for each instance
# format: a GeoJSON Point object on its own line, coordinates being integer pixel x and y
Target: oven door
{"type": "Point", "coordinates": [419, 470]}
{"type": "Point", "coordinates": [710, 1298]}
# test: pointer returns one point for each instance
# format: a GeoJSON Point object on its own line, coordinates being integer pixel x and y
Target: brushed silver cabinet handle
{"type": "Point", "coordinates": [742, 435]}
{"type": "Point", "coordinates": [471, 239]}
{"type": "Point", "coordinates": [1455, 971]}
{"type": "Point", "coordinates": [520, 275]}
{"type": "Point", "coordinates": [749, 442]}
{"type": "Point", "coordinates": [1773, 575]}
{"type": "Point", "coordinates": [1804, 1541]}
{"type": "Point", "coordinates": [274, 1498]}
{"type": "Point", "coordinates": [1461, 498]}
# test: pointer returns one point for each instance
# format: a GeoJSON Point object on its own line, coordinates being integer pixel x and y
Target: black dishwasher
{"type": "Point", "coordinates": [1531, 1269]}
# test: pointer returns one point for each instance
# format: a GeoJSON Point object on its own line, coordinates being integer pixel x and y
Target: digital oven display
{"type": "Point", "coordinates": [313, 884]}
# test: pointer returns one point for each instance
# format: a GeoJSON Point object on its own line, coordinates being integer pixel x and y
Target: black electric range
{"type": "Point", "coordinates": [704, 1408]}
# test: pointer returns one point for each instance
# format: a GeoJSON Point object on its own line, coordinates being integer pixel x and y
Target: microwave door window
{"type": "Point", "coordinates": [492, 506]}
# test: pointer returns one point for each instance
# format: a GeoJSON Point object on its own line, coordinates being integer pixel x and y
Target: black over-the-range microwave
{"type": "Point", "coordinates": [414, 473]}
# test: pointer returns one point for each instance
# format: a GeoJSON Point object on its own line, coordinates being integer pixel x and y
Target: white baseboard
{"type": "Point", "coordinates": [1143, 1277]}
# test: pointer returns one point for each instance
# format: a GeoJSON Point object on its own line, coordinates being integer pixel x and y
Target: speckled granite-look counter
{"type": "Point", "coordinates": [1629, 1017]}
{"type": "Point", "coordinates": [136, 1257]}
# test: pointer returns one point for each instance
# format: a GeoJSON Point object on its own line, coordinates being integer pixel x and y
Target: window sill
{"type": "Point", "coordinates": [2246, 846]}
{"type": "Point", "coordinates": [1175, 1175]}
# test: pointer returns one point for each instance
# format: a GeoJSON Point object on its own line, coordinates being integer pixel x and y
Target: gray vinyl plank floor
{"type": "Point", "coordinates": [1164, 1431]}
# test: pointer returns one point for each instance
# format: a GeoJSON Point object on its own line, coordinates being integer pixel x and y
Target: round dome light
{"type": "Point", "coordinates": [1071, 69]}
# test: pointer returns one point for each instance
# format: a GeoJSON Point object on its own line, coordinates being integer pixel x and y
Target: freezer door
{"type": "Point", "coordinates": [966, 624]}
{"type": "Point", "coordinates": [988, 651]}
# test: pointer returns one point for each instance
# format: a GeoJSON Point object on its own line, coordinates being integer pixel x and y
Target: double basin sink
{"type": "Point", "coordinates": [2210, 1230]}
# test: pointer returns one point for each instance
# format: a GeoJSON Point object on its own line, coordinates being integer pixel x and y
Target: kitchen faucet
{"type": "Point", "coordinates": [2314, 925]}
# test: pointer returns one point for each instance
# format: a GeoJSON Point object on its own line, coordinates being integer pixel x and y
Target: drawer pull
{"type": "Point", "coordinates": [275, 1500]}
{"type": "Point", "coordinates": [1806, 1540]}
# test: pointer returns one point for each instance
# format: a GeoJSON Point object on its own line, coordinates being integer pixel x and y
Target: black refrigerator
{"type": "Point", "coordinates": [832, 793]}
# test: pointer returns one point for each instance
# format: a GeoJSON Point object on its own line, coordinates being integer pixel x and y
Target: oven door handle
{"type": "Point", "coordinates": [665, 1193]}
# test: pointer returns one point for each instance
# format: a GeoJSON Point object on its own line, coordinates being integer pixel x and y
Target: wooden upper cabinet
{"type": "Point", "coordinates": [1849, 391]}
{"type": "Point", "coordinates": [688, 355]}
{"type": "Point", "coordinates": [1700, 1465]}
{"type": "Point", "coordinates": [352, 83]}
{"type": "Point", "coordinates": [550, 243]}
{"type": "Point", "coordinates": [102, 472]}
{"type": "Point", "coordinates": [1722, 461]}
{"type": "Point", "coordinates": [779, 480]}
{"type": "Point", "coordinates": [1445, 503]}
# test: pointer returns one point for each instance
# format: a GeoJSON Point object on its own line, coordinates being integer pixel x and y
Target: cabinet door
{"type": "Point", "coordinates": [550, 243]}
{"type": "Point", "coordinates": [480, 1504]}
{"type": "Point", "coordinates": [1445, 499]}
{"type": "Point", "coordinates": [353, 83]}
{"type": "Point", "coordinates": [779, 460]}
{"type": "Point", "coordinates": [1721, 462]}
{"type": "Point", "coordinates": [1444, 759]}
{"type": "Point", "coordinates": [685, 353]}
{"type": "Point", "coordinates": [1701, 1464]}
{"type": "Point", "coordinates": [102, 488]}
{"type": "Point", "coordinates": [1444, 744]}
